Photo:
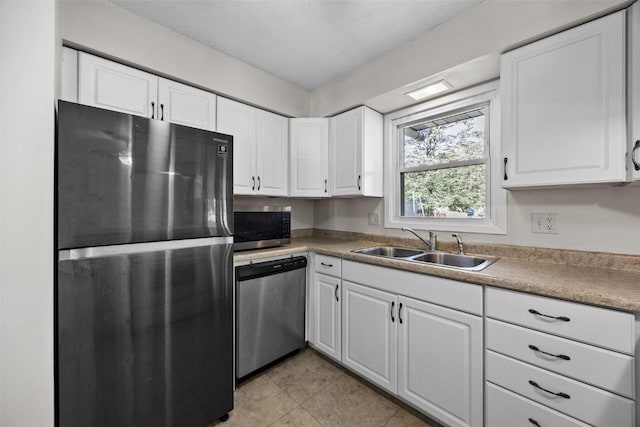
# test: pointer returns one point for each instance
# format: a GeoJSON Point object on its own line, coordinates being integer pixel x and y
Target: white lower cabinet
{"type": "Point", "coordinates": [428, 355]}
{"type": "Point", "coordinates": [440, 361]}
{"type": "Point", "coordinates": [558, 363]}
{"type": "Point", "coordinates": [325, 305]}
{"type": "Point", "coordinates": [369, 330]}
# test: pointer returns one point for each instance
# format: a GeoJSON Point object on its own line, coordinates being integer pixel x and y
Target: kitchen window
{"type": "Point", "coordinates": [443, 164]}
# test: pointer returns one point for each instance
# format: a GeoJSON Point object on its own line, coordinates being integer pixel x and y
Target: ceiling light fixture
{"type": "Point", "coordinates": [432, 89]}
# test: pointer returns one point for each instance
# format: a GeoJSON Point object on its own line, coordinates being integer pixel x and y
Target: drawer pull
{"type": "Point", "coordinates": [537, 313]}
{"type": "Point", "coordinates": [559, 356]}
{"type": "Point", "coordinates": [534, 422]}
{"type": "Point", "coordinates": [560, 394]}
{"type": "Point", "coordinates": [326, 265]}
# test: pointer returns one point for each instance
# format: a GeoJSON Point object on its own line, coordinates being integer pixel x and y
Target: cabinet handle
{"type": "Point", "coordinates": [560, 394]}
{"type": "Point", "coordinates": [537, 313]}
{"type": "Point", "coordinates": [161, 111]}
{"type": "Point", "coordinates": [636, 165]}
{"type": "Point", "coordinates": [534, 422]}
{"type": "Point", "coordinates": [559, 356]}
{"type": "Point", "coordinates": [506, 159]}
{"type": "Point", "coordinates": [325, 185]}
{"type": "Point", "coordinates": [359, 182]}
{"type": "Point", "coordinates": [326, 265]}
{"type": "Point", "coordinates": [153, 110]}
{"type": "Point", "coordinates": [392, 305]}
{"type": "Point", "coordinates": [253, 185]}
{"type": "Point", "coordinates": [258, 183]}
{"type": "Point", "coordinates": [400, 313]}
{"type": "Point", "coordinates": [336, 292]}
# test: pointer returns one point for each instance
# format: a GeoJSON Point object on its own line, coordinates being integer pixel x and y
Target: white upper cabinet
{"type": "Point", "coordinates": [107, 84]}
{"type": "Point", "coordinates": [309, 157]}
{"type": "Point", "coordinates": [355, 153]}
{"type": "Point", "coordinates": [272, 154]}
{"type": "Point", "coordinates": [69, 75]}
{"type": "Point", "coordinates": [563, 107]}
{"type": "Point", "coordinates": [260, 148]}
{"type": "Point", "coordinates": [634, 90]}
{"type": "Point", "coordinates": [186, 105]}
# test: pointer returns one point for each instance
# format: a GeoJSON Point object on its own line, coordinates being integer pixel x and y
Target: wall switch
{"type": "Point", "coordinates": [374, 218]}
{"type": "Point", "coordinates": [544, 223]}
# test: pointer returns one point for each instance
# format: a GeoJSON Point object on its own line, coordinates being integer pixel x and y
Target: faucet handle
{"type": "Point", "coordinates": [460, 243]}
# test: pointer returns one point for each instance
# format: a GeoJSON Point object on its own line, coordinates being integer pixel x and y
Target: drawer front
{"type": "Point", "coordinates": [586, 403]}
{"type": "Point", "coordinates": [507, 409]}
{"type": "Point", "coordinates": [615, 372]}
{"type": "Point", "coordinates": [329, 265]}
{"type": "Point", "coordinates": [605, 328]}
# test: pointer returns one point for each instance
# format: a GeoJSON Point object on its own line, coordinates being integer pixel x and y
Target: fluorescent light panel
{"type": "Point", "coordinates": [432, 89]}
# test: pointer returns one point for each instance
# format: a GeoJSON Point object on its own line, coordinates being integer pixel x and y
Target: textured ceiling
{"type": "Point", "coordinates": [307, 42]}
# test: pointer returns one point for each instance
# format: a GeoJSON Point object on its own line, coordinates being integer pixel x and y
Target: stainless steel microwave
{"type": "Point", "coordinates": [261, 227]}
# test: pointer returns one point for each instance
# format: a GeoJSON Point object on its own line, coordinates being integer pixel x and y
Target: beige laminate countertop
{"type": "Point", "coordinates": [599, 286]}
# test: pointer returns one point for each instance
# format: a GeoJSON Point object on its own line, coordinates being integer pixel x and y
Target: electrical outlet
{"type": "Point", "coordinates": [544, 223]}
{"type": "Point", "coordinates": [374, 218]}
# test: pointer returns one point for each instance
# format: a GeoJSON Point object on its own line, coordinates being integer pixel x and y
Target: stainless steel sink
{"type": "Point", "coordinates": [441, 259]}
{"type": "Point", "coordinates": [390, 251]}
{"type": "Point", "coordinates": [465, 262]}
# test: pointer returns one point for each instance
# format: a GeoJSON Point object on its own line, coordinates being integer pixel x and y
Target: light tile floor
{"type": "Point", "coordinates": [309, 390]}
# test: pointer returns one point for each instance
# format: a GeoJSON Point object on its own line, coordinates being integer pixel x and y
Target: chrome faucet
{"type": "Point", "coordinates": [433, 239]}
{"type": "Point", "coordinates": [460, 244]}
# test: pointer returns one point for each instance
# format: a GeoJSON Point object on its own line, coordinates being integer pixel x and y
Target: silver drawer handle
{"type": "Point", "coordinates": [560, 394]}
{"type": "Point", "coordinates": [559, 356]}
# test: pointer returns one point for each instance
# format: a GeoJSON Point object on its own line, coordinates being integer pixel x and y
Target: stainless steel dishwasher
{"type": "Point", "coordinates": [270, 305]}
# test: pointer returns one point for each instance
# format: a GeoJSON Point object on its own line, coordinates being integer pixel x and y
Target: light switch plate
{"type": "Point", "coordinates": [544, 223]}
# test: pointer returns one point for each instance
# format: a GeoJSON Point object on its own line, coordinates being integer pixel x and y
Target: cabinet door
{"type": "Point", "coordinates": [634, 90]}
{"type": "Point", "coordinates": [369, 333]}
{"type": "Point", "coordinates": [186, 105]}
{"type": "Point", "coordinates": [69, 75]}
{"type": "Point", "coordinates": [563, 112]}
{"type": "Point", "coordinates": [272, 154]}
{"type": "Point", "coordinates": [325, 333]}
{"type": "Point", "coordinates": [345, 153]}
{"type": "Point", "coordinates": [107, 84]}
{"type": "Point", "coordinates": [239, 120]}
{"type": "Point", "coordinates": [440, 361]}
{"type": "Point", "coordinates": [309, 157]}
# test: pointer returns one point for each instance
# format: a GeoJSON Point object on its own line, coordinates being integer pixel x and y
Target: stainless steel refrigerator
{"type": "Point", "coordinates": [144, 289]}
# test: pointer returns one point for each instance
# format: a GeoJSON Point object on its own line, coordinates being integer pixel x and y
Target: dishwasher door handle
{"type": "Point", "coordinates": [336, 292]}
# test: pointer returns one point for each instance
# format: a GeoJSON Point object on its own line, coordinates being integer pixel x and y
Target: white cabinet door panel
{"type": "Point", "coordinates": [239, 120]}
{"type": "Point", "coordinates": [106, 84]}
{"type": "Point", "coordinates": [272, 154]}
{"type": "Point", "coordinates": [327, 317]}
{"type": "Point", "coordinates": [346, 153]}
{"type": "Point", "coordinates": [69, 75]}
{"type": "Point", "coordinates": [309, 157]}
{"type": "Point", "coordinates": [440, 361]}
{"type": "Point", "coordinates": [563, 112]}
{"type": "Point", "coordinates": [369, 334]}
{"type": "Point", "coordinates": [186, 105]}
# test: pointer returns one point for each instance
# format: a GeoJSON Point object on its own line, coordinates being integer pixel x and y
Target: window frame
{"type": "Point", "coordinates": [495, 221]}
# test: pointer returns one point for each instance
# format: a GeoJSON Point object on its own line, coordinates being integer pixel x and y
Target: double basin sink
{"type": "Point", "coordinates": [435, 258]}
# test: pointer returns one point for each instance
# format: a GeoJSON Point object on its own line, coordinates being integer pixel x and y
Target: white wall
{"type": "Point", "coordinates": [483, 32]}
{"type": "Point", "coordinates": [28, 52]}
{"type": "Point", "coordinates": [108, 30]}
{"type": "Point", "coordinates": [605, 219]}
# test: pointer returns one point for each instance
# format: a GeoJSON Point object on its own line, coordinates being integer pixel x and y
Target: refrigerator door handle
{"type": "Point", "coordinates": [101, 251]}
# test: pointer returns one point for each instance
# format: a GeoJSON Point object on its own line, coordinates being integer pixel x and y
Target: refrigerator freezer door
{"type": "Point", "coordinates": [146, 339]}
{"type": "Point", "coordinates": [128, 179]}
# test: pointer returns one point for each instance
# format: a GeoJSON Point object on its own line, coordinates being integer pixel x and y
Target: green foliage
{"type": "Point", "coordinates": [439, 192]}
